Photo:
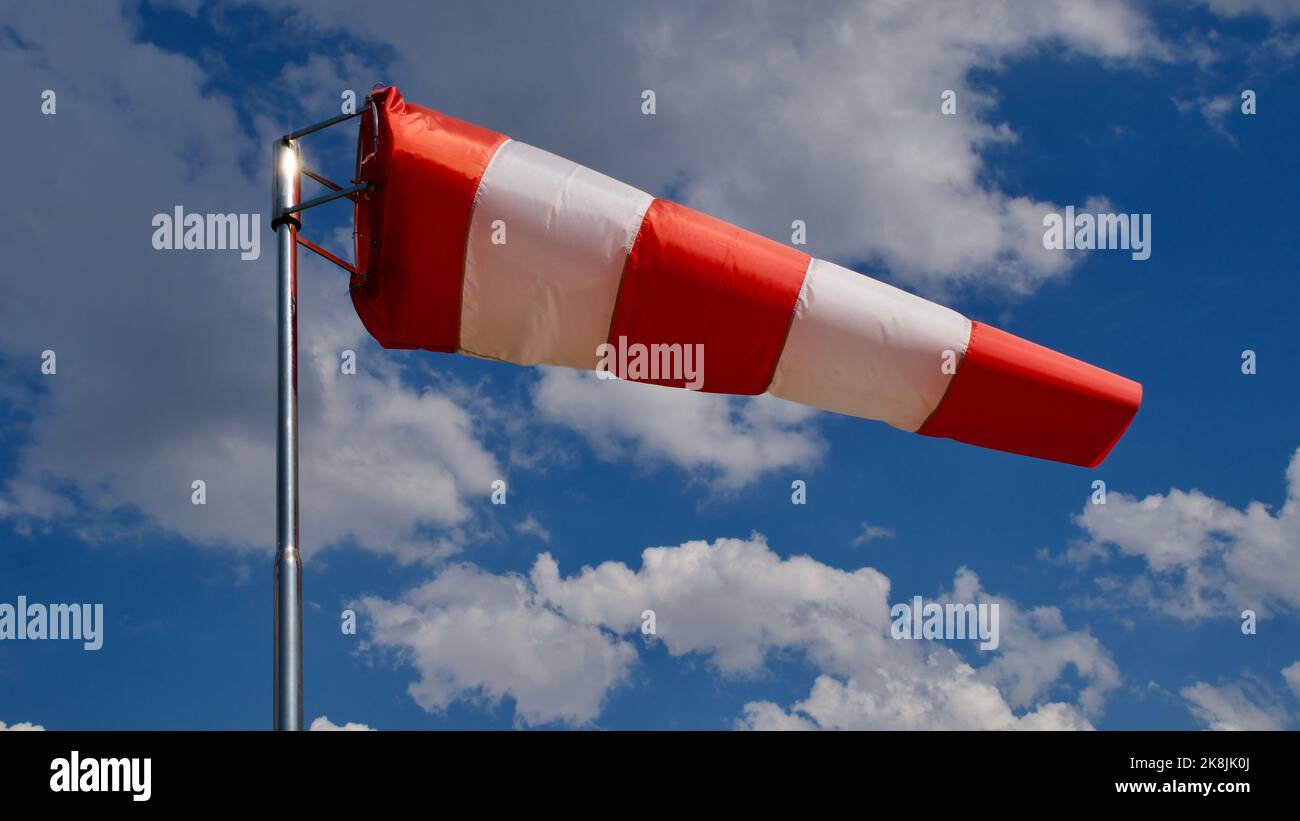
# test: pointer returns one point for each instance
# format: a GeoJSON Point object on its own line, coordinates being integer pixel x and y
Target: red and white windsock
{"type": "Point", "coordinates": [472, 242]}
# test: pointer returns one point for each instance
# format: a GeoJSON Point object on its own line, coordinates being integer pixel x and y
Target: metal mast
{"type": "Point", "coordinates": [286, 205]}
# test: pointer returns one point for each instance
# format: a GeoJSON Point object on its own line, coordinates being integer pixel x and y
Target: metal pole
{"type": "Point", "coordinates": [288, 561]}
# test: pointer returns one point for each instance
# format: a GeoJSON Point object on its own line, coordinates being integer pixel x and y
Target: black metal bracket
{"type": "Point", "coordinates": [336, 191]}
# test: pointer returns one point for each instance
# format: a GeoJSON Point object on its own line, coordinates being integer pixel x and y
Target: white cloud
{"type": "Point", "coordinates": [930, 699]}
{"type": "Point", "coordinates": [531, 527]}
{"type": "Point", "coordinates": [558, 645]}
{"type": "Point", "coordinates": [1278, 11]}
{"type": "Point", "coordinates": [871, 533]}
{"type": "Point", "coordinates": [1292, 676]}
{"type": "Point", "coordinates": [850, 102]}
{"type": "Point", "coordinates": [20, 726]}
{"type": "Point", "coordinates": [1215, 110]}
{"type": "Point", "coordinates": [1250, 704]}
{"type": "Point", "coordinates": [733, 600]}
{"type": "Point", "coordinates": [1234, 706]}
{"type": "Point", "coordinates": [478, 637]}
{"type": "Point", "coordinates": [1204, 558]}
{"type": "Point", "coordinates": [934, 689]}
{"type": "Point", "coordinates": [729, 441]}
{"type": "Point", "coordinates": [166, 359]}
{"type": "Point", "coordinates": [1039, 650]}
{"type": "Point", "coordinates": [323, 724]}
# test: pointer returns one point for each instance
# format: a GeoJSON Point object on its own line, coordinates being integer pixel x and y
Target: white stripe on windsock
{"type": "Point", "coordinates": [547, 294]}
{"type": "Point", "coordinates": [862, 347]}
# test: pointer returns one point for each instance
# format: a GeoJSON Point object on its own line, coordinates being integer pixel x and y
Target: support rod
{"type": "Point", "coordinates": [320, 178]}
{"type": "Point", "coordinates": [330, 197]}
{"type": "Point", "coordinates": [288, 561]}
{"type": "Point", "coordinates": [312, 129]}
{"type": "Point", "coordinates": [311, 246]}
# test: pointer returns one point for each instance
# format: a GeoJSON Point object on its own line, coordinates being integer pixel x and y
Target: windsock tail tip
{"type": "Point", "coordinates": [1013, 395]}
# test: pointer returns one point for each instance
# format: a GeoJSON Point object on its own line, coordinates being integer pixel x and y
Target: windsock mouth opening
{"type": "Point", "coordinates": [410, 228]}
{"type": "Point", "coordinates": [367, 213]}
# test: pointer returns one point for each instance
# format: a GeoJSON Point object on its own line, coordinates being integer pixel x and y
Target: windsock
{"type": "Point", "coordinates": [472, 242]}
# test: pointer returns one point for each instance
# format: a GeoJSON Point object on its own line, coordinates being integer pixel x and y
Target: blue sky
{"type": "Point", "coordinates": [1122, 617]}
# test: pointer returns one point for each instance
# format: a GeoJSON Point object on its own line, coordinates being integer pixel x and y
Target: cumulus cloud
{"type": "Point", "coordinates": [323, 724]}
{"type": "Point", "coordinates": [933, 699]}
{"type": "Point", "coordinates": [20, 726]}
{"type": "Point", "coordinates": [557, 645]}
{"type": "Point", "coordinates": [904, 186]}
{"type": "Point", "coordinates": [166, 359]}
{"type": "Point", "coordinates": [726, 440]}
{"type": "Point", "coordinates": [479, 637]}
{"type": "Point", "coordinates": [1235, 706]}
{"type": "Point", "coordinates": [1203, 558]}
{"type": "Point", "coordinates": [1039, 650]}
{"type": "Point", "coordinates": [934, 689]}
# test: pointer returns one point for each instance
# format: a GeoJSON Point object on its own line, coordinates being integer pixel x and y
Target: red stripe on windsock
{"type": "Point", "coordinates": [1012, 395]}
{"type": "Point", "coordinates": [692, 279]}
{"type": "Point", "coordinates": [411, 229]}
